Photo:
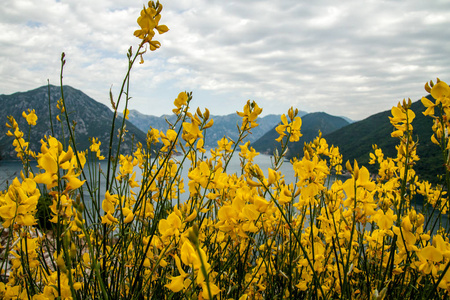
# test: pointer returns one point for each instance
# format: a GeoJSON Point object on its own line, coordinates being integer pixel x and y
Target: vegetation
{"type": "Point", "coordinates": [92, 119]}
{"type": "Point", "coordinates": [312, 124]}
{"type": "Point", "coordinates": [223, 126]}
{"type": "Point", "coordinates": [355, 141]}
{"type": "Point", "coordinates": [246, 235]}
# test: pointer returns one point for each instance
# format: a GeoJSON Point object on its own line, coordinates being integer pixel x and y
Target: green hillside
{"type": "Point", "coordinates": [355, 141]}
{"type": "Point", "coordinates": [311, 124]}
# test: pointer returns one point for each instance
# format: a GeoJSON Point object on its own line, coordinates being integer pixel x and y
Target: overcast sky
{"type": "Point", "coordinates": [349, 58]}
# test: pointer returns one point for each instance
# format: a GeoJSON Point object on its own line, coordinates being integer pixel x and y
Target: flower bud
{"type": "Point", "coordinates": [199, 112]}
{"type": "Point", "coordinates": [349, 166]}
{"type": "Point", "coordinates": [193, 234]}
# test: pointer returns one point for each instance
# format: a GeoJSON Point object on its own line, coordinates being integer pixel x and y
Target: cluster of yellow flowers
{"type": "Point", "coordinates": [149, 21]}
{"type": "Point", "coordinates": [241, 235]}
{"type": "Point", "coordinates": [21, 146]}
{"type": "Point", "coordinates": [246, 236]}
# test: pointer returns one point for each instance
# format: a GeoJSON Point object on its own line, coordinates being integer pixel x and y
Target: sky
{"type": "Point", "coordinates": [345, 58]}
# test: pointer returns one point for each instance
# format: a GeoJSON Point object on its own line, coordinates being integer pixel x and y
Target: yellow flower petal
{"type": "Point", "coordinates": [431, 253]}
{"type": "Point", "coordinates": [439, 90]}
{"type": "Point", "coordinates": [176, 284]}
{"type": "Point", "coordinates": [162, 29]}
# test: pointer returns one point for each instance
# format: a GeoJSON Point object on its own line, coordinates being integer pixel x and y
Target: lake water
{"type": "Point", "coordinates": [11, 169]}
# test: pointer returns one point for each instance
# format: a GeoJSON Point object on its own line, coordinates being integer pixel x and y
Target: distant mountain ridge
{"type": "Point", "coordinates": [92, 119]}
{"type": "Point", "coordinates": [223, 125]}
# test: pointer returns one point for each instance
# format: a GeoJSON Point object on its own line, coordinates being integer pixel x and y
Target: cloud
{"type": "Point", "coordinates": [349, 58]}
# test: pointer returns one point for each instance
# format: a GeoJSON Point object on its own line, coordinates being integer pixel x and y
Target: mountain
{"type": "Point", "coordinates": [144, 122]}
{"type": "Point", "coordinates": [92, 119]}
{"type": "Point", "coordinates": [350, 121]}
{"type": "Point", "coordinates": [355, 141]}
{"type": "Point", "coordinates": [311, 124]}
{"type": "Point", "coordinates": [223, 125]}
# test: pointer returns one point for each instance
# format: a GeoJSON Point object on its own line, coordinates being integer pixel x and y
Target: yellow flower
{"type": "Point", "coordinates": [153, 136]}
{"type": "Point", "coordinates": [274, 176]}
{"type": "Point", "coordinates": [149, 21]}
{"type": "Point", "coordinates": [61, 207]}
{"type": "Point", "coordinates": [285, 195]}
{"type": "Point", "coordinates": [440, 91]}
{"type": "Point", "coordinates": [128, 214]}
{"type": "Point", "coordinates": [201, 175]}
{"type": "Point", "coordinates": [127, 163]}
{"type": "Point", "coordinates": [249, 115]}
{"type": "Point", "coordinates": [30, 117]}
{"type": "Point", "coordinates": [110, 202]}
{"type": "Point", "coordinates": [225, 145]}
{"type": "Point", "coordinates": [429, 105]}
{"type": "Point", "coordinates": [52, 159]}
{"type": "Point", "coordinates": [178, 282]}
{"type": "Point", "coordinates": [294, 130]}
{"type": "Point", "coordinates": [260, 203]}
{"type": "Point", "coordinates": [191, 131]}
{"type": "Point", "coordinates": [212, 287]}
{"type": "Point", "coordinates": [170, 226]}
{"type": "Point", "coordinates": [95, 147]}
{"type": "Point", "coordinates": [109, 219]}
{"type": "Point", "coordinates": [179, 102]}
{"type": "Point", "coordinates": [21, 147]}
{"type": "Point", "coordinates": [168, 138]}
{"type": "Point", "coordinates": [73, 182]}
{"type": "Point", "coordinates": [281, 128]}
{"type": "Point", "coordinates": [189, 256]}
{"type": "Point", "coordinates": [385, 220]}
{"type": "Point", "coordinates": [401, 119]}
{"type": "Point", "coordinates": [49, 164]}
{"type": "Point", "coordinates": [247, 153]}
{"type": "Point", "coordinates": [432, 254]}
{"type": "Point", "coordinates": [19, 204]}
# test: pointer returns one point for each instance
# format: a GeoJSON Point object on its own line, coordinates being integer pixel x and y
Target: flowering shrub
{"type": "Point", "coordinates": [238, 235]}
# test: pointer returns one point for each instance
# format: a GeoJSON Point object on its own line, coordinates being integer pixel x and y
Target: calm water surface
{"type": "Point", "coordinates": [11, 169]}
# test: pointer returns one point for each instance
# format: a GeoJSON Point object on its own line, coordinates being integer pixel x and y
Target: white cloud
{"type": "Point", "coordinates": [352, 58]}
